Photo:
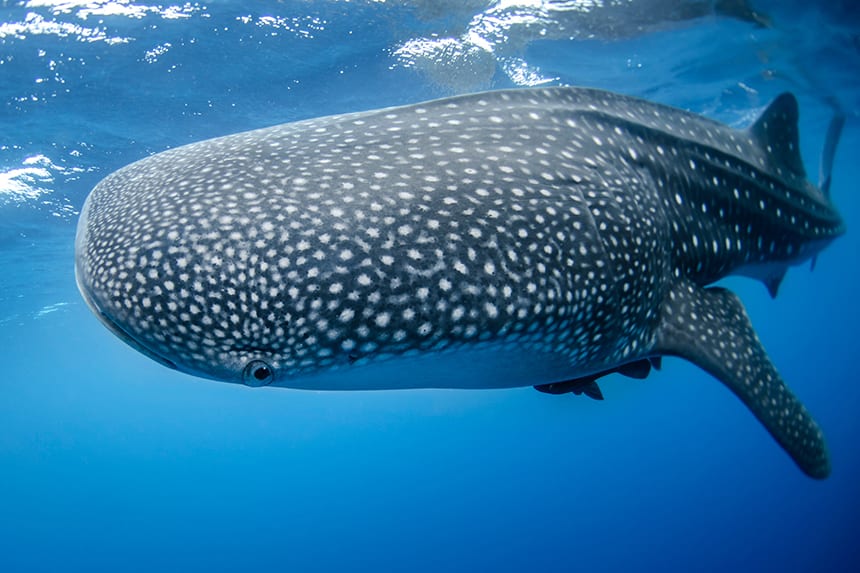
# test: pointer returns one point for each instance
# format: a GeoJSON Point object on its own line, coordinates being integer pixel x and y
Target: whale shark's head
{"type": "Point", "coordinates": [147, 287]}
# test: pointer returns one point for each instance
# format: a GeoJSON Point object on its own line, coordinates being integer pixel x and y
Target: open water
{"type": "Point", "coordinates": [110, 462]}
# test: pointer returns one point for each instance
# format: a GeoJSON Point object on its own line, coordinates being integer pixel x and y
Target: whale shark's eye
{"type": "Point", "coordinates": [258, 373]}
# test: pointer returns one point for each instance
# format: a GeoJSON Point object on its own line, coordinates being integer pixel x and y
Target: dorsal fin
{"type": "Point", "coordinates": [776, 133]}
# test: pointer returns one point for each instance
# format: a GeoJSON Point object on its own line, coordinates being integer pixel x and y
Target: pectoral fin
{"type": "Point", "coordinates": [710, 328]}
{"type": "Point", "coordinates": [640, 369]}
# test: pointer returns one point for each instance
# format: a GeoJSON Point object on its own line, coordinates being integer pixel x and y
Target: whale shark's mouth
{"type": "Point", "coordinates": [131, 341]}
{"type": "Point", "coordinates": [118, 330]}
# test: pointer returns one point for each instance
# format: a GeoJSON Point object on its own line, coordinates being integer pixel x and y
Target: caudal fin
{"type": "Point", "coordinates": [831, 142]}
{"type": "Point", "coordinates": [834, 132]}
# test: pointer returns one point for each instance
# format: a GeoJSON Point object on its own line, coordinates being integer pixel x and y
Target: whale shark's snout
{"type": "Point", "coordinates": [540, 237]}
{"type": "Point", "coordinates": [94, 302]}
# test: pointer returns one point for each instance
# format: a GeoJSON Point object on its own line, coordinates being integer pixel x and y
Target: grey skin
{"type": "Point", "coordinates": [511, 238]}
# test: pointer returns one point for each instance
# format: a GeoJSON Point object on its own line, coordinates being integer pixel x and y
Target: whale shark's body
{"type": "Point", "coordinates": [531, 237]}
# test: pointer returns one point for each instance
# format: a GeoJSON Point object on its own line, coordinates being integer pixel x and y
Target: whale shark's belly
{"type": "Point", "coordinates": [485, 365]}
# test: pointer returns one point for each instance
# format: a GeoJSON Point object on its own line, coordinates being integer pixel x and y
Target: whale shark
{"type": "Point", "coordinates": [532, 237]}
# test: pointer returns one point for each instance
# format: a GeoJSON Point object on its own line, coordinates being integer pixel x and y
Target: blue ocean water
{"type": "Point", "coordinates": [109, 461]}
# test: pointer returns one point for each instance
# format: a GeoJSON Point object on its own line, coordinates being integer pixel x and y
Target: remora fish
{"type": "Point", "coordinates": [531, 237]}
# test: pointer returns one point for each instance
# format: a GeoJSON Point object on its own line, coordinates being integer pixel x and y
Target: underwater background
{"type": "Point", "coordinates": [111, 462]}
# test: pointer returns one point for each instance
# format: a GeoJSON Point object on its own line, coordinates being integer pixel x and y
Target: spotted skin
{"type": "Point", "coordinates": [500, 239]}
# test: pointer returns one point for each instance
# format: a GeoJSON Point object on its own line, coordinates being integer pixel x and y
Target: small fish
{"type": "Point", "coordinates": [588, 384]}
{"type": "Point", "coordinates": [536, 237]}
